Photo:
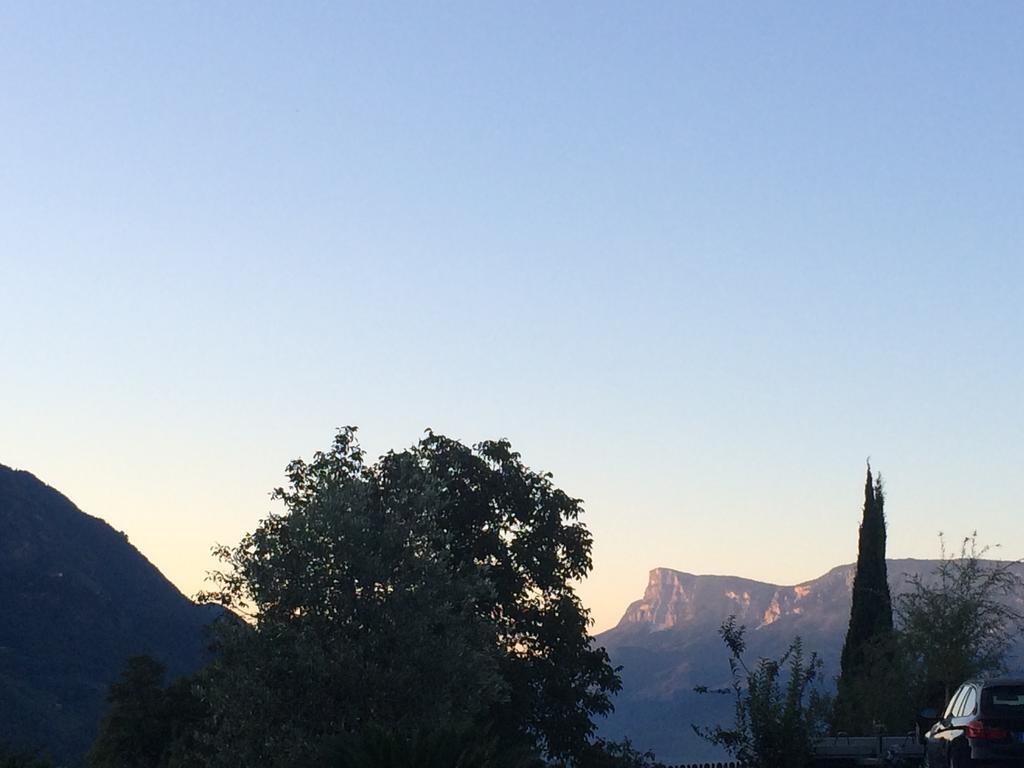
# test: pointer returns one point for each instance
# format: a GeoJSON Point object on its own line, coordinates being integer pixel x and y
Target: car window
{"type": "Point", "coordinates": [953, 702]}
{"type": "Point", "coordinates": [967, 703]}
{"type": "Point", "coordinates": [1003, 700]}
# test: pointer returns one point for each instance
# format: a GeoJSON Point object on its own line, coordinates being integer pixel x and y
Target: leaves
{"type": "Point", "coordinates": [431, 587]}
{"type": "Point", "coordinates": [958, 623]}
{"type": "Point", "coordinates": [147, 725]}
{"type": "Point", "coordinates": [777, 713]}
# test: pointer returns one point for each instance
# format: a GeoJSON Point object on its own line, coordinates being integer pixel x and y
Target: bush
{"type": "Point", "coordinates": [958, 623]}
{"type": "Point", "coordinates": [777, 721]}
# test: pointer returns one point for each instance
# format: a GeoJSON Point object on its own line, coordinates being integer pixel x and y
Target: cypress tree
{"type": "Point", "coordinates": [870, 616]}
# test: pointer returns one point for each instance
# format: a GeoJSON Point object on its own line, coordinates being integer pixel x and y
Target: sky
{"type": "Point", "coordinates": [699, 260]}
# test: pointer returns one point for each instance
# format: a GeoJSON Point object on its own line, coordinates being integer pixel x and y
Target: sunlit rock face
{"type": "Point", "coordinates": [675, 599]}
{"type": "Point", "coordinates": [668, 642]}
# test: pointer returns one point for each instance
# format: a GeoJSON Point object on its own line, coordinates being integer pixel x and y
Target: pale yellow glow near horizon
{"type": "Point", "coordinates": [174, 514]}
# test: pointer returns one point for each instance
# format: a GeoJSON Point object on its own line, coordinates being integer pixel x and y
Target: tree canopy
{"type": "Point", "coordinates": [431, 587]}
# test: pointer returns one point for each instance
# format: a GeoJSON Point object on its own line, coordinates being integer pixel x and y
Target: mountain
{"type": "Point", "coordinates": [667, 642]}
{"type": "Point", "coordinates": [76, 600]}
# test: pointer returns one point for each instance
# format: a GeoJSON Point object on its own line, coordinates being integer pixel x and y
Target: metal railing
{"type": "Point", "coordinates": [846, 750]}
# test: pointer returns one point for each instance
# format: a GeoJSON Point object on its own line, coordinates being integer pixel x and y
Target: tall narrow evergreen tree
{"type": "Point", "coordinates": [870, 627]}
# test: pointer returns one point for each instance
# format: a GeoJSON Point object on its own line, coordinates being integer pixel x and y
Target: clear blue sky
{"type": "Point", "coordinates": [697, 259]}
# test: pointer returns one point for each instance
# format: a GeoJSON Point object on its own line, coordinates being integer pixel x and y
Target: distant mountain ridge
{"type": "Point", "coordinates": [76, 600]}
{"type": "Point", "coordinates": [667, 642]}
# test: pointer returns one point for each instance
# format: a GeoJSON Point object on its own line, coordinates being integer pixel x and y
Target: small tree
{"type": "Point", "coordinates": [147, 725]}
{"type": "Point", "coordinates": [778, 713]}
{"type": "Point", "coordinates": [133, 733]}
{"type": "Point", "coordinates": [959, 623]}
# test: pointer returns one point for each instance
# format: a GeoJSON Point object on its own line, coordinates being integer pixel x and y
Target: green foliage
{"type": "Point", "coordinates": [430, 589]}
{"type": "Point", "coordinates": [883, 695]}
{"type": "Point", "coordinates": [132, 733]}
{"type": "Point", "coordinates": [146, 725]}
{"type": "Point", "coordinates": [15, 759]}
{"type": "Point", "coordinates": [871, 606]}
{"type": "Point", "coordinates": [778, 713]}
{"type": "Point", "coordinates": [513, 528]}
{"type": "Point", "coordinates": [958, 624]}
{"type": "Point", "coordinates": [953, 624]}
{"type": "Point", "coordinates": [867, 648]}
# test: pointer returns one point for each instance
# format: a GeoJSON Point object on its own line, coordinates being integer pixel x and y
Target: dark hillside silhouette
{"type": "Point", "coordinates": [76, 601]}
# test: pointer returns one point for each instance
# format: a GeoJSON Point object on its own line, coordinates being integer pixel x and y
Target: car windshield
{"type": "Point", "coordinates": [1003, 700]}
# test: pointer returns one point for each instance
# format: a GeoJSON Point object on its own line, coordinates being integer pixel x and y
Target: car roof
{"type": "Point", "coordinates": [993, 681]}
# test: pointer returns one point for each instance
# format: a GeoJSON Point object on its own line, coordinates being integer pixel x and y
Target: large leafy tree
{"type": "Point", "coordinates": [869, 637]}
{"type": "Point", "coordinates": [431, 588]}
{"type": "Point", "coordinates": [522, 535]}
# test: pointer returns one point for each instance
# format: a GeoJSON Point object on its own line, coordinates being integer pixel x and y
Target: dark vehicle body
{"type": "Point", "coordinates": [983, 725]}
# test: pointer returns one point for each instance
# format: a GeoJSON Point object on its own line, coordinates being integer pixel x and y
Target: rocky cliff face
{"type": "Point", "coordinates": [667, 642]}
{"type": "Point", "coordinates": [678, 600]}
{"type": "Point", "coordinates": [76, 600]}
{"type": "Point", "coordinates": [674, 598]}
